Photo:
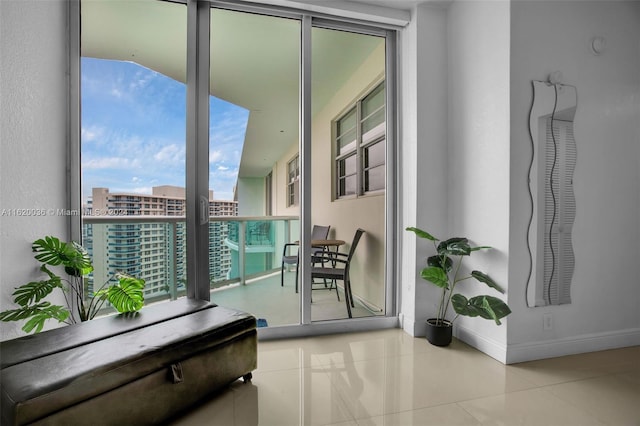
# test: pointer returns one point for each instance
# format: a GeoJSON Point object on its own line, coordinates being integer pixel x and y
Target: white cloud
{"type": "Point", "coordinates": [171, 154]}
{"type": "Point", "coordinates": [142, 78]}
{"type": "Point", "coordinates": [215, 156]}
{"type": "Point", "coordinates": [108, 163]}
{"type": "Point", "coordinates": [91, 133]}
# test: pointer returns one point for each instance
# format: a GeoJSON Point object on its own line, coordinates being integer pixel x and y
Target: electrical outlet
{"type": "Point", "coordinates": [547, 321]}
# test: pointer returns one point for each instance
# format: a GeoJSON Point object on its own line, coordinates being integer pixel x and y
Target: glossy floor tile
{"type": "Point", "coordinates": [387, 377]}
{"type": "Point", "coordinates": [266, 298]}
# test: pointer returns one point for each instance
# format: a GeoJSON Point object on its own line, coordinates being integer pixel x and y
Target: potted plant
{"type": "Point", "coordinates": [444, 271]}
{"type": "Point", "coordinates": [126, 294]}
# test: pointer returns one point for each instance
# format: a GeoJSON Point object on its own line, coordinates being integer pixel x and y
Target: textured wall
{"type": "Point", "coordinates": [33, 135]}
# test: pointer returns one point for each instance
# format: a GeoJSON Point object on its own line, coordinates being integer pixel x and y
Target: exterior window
{"type": "Point", "coordinates": [293, 182]}
{"type": "Point", "coordinates": [360, 146]}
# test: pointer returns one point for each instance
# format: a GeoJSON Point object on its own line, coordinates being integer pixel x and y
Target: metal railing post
{"type": "Point", "coordinates": [173, 284]}
{"type": "Point", "coordinates": [242, 244]}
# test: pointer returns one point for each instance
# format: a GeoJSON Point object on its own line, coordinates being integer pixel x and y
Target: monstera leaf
{"type": "Point", "coordinates": [52, 251]}
{"type": "Point", "coordinates": [37, 315]}
{"type": "Point", "coordinates": [127, 295]}
{"type": "Point", "coordinates": [35, 291]}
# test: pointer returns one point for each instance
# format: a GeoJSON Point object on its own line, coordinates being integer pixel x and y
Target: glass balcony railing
{"type": "Point", "coordinates": [154, 249]}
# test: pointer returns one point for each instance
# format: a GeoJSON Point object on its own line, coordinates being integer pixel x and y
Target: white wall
{"type": "Point", "coordinates": [478, 155]}
{"type": "Point", "coordinates": [423, 150]}
{"type": "Point", "coordinates": [33, 137]}
{"type": "Point", "coordinates": [251, 192]}
{"type": "Point", "coordinates": [605, 308]}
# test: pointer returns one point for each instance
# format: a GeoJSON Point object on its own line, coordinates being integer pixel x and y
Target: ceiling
{"type": "Point", "coordinates": [394, 4]}
{"type": "Point", "coordinates": [254, 63]}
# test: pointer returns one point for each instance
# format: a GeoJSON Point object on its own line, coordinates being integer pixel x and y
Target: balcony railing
{"type": "Point", "coordinates": [240, 248]}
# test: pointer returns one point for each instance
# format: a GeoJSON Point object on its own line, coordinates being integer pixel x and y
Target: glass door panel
{"type": "Point", "coordinates": [133, 103]}
{"type": "Point", "coordinates": [254, 168]}
{"type": "Point", "coordinates": [348, 170]}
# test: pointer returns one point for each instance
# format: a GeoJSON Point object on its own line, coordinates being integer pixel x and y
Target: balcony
{"type": "Point", "coordinates": [244, 264]}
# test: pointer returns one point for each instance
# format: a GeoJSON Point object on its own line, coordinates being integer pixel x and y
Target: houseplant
{"type": "Point", "coordinates": [125, 294]}
{"type": "Point", "coordinates": [444, 271]}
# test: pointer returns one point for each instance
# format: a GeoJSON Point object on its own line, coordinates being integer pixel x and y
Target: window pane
{"type": "Point", "coordinates": [373, 101]}
{"type": "Point", "coordinates": [347, 123]}
{"type": "Point", "coordinates": [374, 155]}
{"type": "Point", "coordinates": [346, 66]}
{"type": "Point", "coordinates": [374, 179]}
{"type": "Point", "coordinates": [133, 111]}
{"type": "Point", "coordinates": [348, 186]}
{"type": "Point", "coordinates": [254, 74]}
{"type": "Point", "coordinates": [346, 132]}
{"type": "Point", "coordinates": [347, 166]}
{"type": "Point", "coordinates": [347, 142]}
{"type": "Point", "coordinates": [373, 115]}
{"type": "Point", "coordinates": [351, 165]}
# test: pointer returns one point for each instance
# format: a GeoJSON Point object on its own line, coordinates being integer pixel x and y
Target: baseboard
{"type": "Point", "coordinates": [410, 326]}
{"type": "Point", "coordinates": [522, 352]}
{"type": "Point", "coordinates": [593, 342]}
{"type": "Point", "coordinates": [490, 347]}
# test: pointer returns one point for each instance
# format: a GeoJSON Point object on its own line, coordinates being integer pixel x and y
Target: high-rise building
{"type": "Point", "coordinates": [154, 250]}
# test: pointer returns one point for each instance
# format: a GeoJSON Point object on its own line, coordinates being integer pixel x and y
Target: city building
{"type": "Point", "coordinates": [154, 248]}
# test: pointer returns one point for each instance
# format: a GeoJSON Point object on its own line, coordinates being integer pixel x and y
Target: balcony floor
{"type": "Point", "coordinates": [265, 298]}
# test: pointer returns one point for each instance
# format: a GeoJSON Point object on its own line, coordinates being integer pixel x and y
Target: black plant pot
{"type": "Point", "coordinates": [439, 333]}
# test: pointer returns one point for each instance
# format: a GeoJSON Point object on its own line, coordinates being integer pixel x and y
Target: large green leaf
{"type": "Point", "coordinates": [484, 278]}
{"type": "Point", "coordinates": [422, 234]}
{"type": "Point", "coordinates": [443, 262]}
{"type": "Point", "coordinates": [37, 315]}
{"type": "Point", "coordinates": [35, 291]}
{"type": "Point", "coordinates": [461, 305]}
{"type": "Point", "coordinates": [458, 246]}
{"type": "Point", "coordinates": [52, 251]}
{"type": "Point", "coordinates": [487, 307]}
{"type": "Point", "coordinates": [480, 248]}
{"type": "Point", "coordinates": [436, 275]}
{"type": "Point", "coordinates": [79, 263]}
{"type": "Point", "coordinates": [127, 295]}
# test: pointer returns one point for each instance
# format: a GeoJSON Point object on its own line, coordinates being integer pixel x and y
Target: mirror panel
{"type": "Point", "coordinates": [551, 189]}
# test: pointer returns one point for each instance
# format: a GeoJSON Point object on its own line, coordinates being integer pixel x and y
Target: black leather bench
{"type": "Point", "coordinates": [118, 370]}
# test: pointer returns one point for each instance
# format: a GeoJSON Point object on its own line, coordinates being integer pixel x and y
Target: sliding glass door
{"type": "Point", "coordinates": [133, 91]}
{"type": "Point", "coordinates": [348, 156]}
{"type": "Point", "coordinates": [253, 167]}
{"type": "Point", "coordinates": [288, 129]}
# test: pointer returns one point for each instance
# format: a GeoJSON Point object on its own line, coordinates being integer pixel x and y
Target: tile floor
{"type": "Point", "coordinates": [390, 378]}
{"type": "Point", "coordinates": [280, 305]}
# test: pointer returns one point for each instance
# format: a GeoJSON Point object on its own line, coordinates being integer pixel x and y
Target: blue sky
{"type": "Point", "coordinates": [133, 131]}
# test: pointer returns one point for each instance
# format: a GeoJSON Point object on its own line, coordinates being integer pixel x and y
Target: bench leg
{"type": "Point", "coordinates": [247, 378]}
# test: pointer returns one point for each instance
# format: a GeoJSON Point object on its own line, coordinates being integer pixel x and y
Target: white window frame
{"type": "Point", "coordinates": [197, 142]}
{"type": "Point", "coordinates": [361, 143]}
{"type": "Point", "coordinates": [293, 183]}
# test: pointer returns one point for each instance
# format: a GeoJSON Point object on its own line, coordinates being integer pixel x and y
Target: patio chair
{"type": "Point", "coordinates": [336, 266]}
{"type": "Point", "coordinates": [318, 232]}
